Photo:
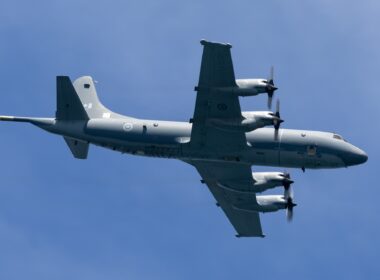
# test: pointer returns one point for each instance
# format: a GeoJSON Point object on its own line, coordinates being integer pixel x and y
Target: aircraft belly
{"type": "Point", "coordinates": [329, 161]}
{"type": "Point", "coordinates": [291, 159]}
{"type": "Point", "coordinates": [265, 157]}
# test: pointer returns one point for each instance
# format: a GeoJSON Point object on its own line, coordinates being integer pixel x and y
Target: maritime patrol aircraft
{"type": "Point", "coordinates": [220, 140]}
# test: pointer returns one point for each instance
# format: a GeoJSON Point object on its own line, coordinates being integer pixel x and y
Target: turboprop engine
{"type": "Point", "coordinates": [261, 181]}
{"type": "Point", "coordinates": [251, 87]}
{"type": "Point", "coordinates": [249, 122]}
{"type": "Point", "coordinates": [269, 203]}
{"type": "Point", "coordinates": [270, 180]}
{"type": "Point", "coordinates": [272, 203]}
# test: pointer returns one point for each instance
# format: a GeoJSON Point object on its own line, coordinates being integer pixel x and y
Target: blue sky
{"type": "Point", "coordinates": [122, 217]}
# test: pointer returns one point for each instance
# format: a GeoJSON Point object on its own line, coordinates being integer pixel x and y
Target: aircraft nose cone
{"type": "Point", "coordinates": [362, 157]}
{"type": "Point", "coordinates": [355, 156]}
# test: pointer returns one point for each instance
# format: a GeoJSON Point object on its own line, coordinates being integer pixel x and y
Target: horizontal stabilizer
{"type": "Point", "coordinates": [78, 148]}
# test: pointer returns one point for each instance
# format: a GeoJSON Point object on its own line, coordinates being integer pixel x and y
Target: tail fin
{"type": "Point", "coordinates": [86, 91]}
{"type": "Point", "coordinates": [79, 101]}
{"type": "Point", "coordinates": [69, 106]}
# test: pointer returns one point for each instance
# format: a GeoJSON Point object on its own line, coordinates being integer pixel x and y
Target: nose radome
{"type": "Point", "coordinates": [362, 157]}
{"type": "Point", "coordinates": [356, 156]}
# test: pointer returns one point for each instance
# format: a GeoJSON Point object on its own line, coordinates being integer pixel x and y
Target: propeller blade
{"type": "Point", "coordinates": [287, 181]}
{"type": "Point", "coordinates": [270, 97]}
{"type": "Point", "coordinates": [277, 121]}
{"type": "Point", "coordinates": [270, 87]}
{"type": "Point", "coordinates": [278, 108]}
{"type": "Point", "coordinates": [289, 214]}
{"type": "Point", "coordinates": [288, 190]}
{"type": "Point", "coordinates": [288, 193]}
{"type": "Point", "coordinates": [289, 208]}
{"type": "Point", "coordinates": [286, 174]}
{"type": "Point", "coordinates": [276, 134]}
{"type": "Point", "coordinates": [270, 80]}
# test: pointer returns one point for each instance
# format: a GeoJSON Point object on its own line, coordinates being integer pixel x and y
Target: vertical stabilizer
{"type": "Point", "coordinates": [69, 106]}
{"type": "Point", "coordinates": [85, 87]}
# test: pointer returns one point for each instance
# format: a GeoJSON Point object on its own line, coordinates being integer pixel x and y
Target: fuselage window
{"type": "Point", "coordinates": [86, 85]}
{"type": "Point", "coordinates": [311, 150]}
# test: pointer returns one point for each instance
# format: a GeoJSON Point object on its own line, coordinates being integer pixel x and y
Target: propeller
{"type": "Point", "coordinates": [289, 206]}
{"type": "Point", "coordinates": [289, 209]}
{"type": "Point", "coordinates": [277, 120]}
{"type": "Point", "coordinates": [270, 88]}
{"type": "Point", "coordinates": [286, 182]}
{"type": "Point", "coordinates": [288, 195]}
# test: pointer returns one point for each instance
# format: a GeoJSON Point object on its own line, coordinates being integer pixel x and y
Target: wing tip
{"type": "Point", "coordinates": [242, 235]}
{"type": "Point", "coordinates": [205, 42]}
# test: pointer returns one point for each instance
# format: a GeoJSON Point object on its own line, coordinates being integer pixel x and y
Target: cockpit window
{"type": "Point", "coordinates": [336, 136]}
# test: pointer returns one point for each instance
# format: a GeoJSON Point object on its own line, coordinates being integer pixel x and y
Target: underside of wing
{"type": "Point", "coordinates": [216, 69]}
{"type": "Point", "coordinates": [246, 223]}
{"type": "Point", "coordinates": [216, 101]}
{"type": "Point", "coordinates": [220, 179]}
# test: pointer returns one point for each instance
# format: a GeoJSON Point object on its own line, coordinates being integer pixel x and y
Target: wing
{"type": "Point", "coordinates": [229, 182]}
{"type": "Point", "coordinates": [216, 100]}
{"type": "Point", "coordinates": [216, 68]}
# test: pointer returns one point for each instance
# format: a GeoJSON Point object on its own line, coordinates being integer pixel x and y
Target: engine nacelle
{"type": "Point", "coordinates": [258, 119]}
{"type": "Point", "coordinates": [261, 181]}
{"type": "Point", "coordinates": [250, 121]}
{"type": "Point", "coordinates": [265, 203]}
{"type": "Point", "coordinates": [245, 87]}
{"type": "Point", "coordinates": [251, 87]}
{"type": "Point", "coordinates": [269, 180]}
{"type": "Point", "coordinates": [271, 203]}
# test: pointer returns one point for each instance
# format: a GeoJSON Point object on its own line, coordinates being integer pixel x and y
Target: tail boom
{"type": "Point", "coordinates": [36, 121]}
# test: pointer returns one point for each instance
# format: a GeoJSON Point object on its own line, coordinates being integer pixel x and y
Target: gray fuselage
{"type": "Point", "coordinates": [293, 148]}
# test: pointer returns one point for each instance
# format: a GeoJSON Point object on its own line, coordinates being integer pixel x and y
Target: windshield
{"type": "Point", "coordinates": [337, 136]}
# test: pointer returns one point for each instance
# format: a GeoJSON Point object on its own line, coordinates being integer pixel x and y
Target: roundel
{"type": "Point", "coordinates": [127, 126]}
